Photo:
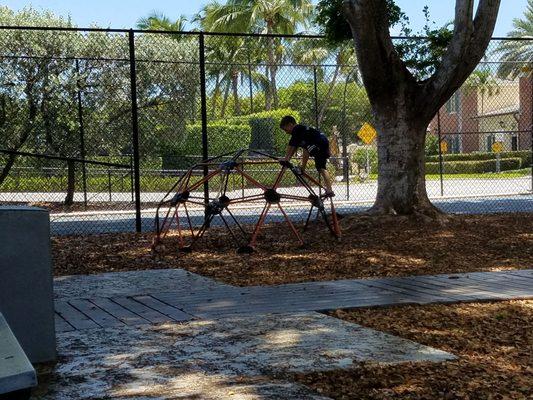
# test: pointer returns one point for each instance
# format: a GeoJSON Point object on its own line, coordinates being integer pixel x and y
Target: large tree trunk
{"type": "Point", "coordinates": [272, 69]}
{"type": "Point", "coordinates": [32, 113]}
{"type": "Point", "coordinates": [235, 89]}
{"type": "Point", "coordinates": [329, 96]}
{"type": "Point", "coordinates": [71, 182]}
{"type": "Point", "coordinates": [268, 91]}
{"type": "Point", "coordinates": [11, 158]}
{"type": "Point", "coordinates": [225, 100]}
{"type": "Point", "coordinates": [214, 99]}
{"type": "Point", "coordinates": [401, 167]}
{"type": "Point", "coordinates": [403, 106]}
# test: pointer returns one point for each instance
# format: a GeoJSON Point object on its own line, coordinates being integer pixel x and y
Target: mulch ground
{"type": "Point", "coordinates": [371, 246]}
{"type": "Point", "coordinates": [494, 343]}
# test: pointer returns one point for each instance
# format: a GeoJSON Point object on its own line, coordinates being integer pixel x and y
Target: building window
{"type": "Point", "coordinates": [514, 143]}
{"type": "Point", "coordinates": [453, 105]}
{"type": "Point", "coordinates": [490, 141]}
{"type": "Point", "coordinates": [455, 144]}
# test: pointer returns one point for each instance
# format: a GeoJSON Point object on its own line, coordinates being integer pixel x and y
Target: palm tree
{"type": "Point", "coordinates": [261, 16]}
{"type": "Point", "coordinates": [517, 55]}
{"type": "Point", "coordinates": [160, 22]}
{"type": "Point", "coordinates": [228, 57]}
{"type": "Point", "coordinates": [318, 52]}
{"type": "Point", "coordinates": [484, 83]}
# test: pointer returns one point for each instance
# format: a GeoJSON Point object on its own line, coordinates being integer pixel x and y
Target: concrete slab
{"type": "Point", "coordinates": [26, 298]}
{"type": "Point", "coordinates": [16, 371]}
{"type": "Point", "coordinates": [132, 283]}
{"type": "Point", "coordinates": [217, 359]}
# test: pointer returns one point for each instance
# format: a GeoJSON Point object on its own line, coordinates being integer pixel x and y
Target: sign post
{"type": "Point", "coordinates": [497, 148]}
{"type": "Point", "coordinates": [367, 134]}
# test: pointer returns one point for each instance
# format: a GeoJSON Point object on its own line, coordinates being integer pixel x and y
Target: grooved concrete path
{"type": "Point", "coordinates": [152, 297]}
{"type": "Point", "coordinates": [170, 334]}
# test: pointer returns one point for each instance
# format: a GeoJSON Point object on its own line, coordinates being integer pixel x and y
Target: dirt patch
{"type": "Point", "coordinates": [370, 247]}
{"type": "Point", "coordinates": [494, 343]}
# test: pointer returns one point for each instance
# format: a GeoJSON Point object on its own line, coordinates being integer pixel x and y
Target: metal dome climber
{"type": "Point", "coordinates": [176, 201]}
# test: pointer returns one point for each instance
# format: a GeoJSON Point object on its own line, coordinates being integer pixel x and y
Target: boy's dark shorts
{"type": "Point", "coordinates": [321, 159]}
{"type": "Point", "coordinates": [322, 155]}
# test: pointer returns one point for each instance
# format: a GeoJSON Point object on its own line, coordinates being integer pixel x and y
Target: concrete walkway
{"type": "Point", "coordinates": [150, 297]}
{"type": "Point", "coordinates": [171, 334]}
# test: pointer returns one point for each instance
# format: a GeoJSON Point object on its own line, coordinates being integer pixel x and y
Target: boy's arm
{"type": "Point", "coordinates": [290, 152]}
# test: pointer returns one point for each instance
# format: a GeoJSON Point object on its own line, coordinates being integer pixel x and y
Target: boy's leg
{"type": "Point", "coordinates": [327, 180]}
{"type": "Point", "coordinates": [320, 163]}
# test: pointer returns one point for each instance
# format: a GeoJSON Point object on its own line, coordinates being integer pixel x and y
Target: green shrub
{"type": "Point", "coordinates": [222, 138]}
{"type": "Point", "coordinates": [265, 131]}
{"type": "Point", "coordinates": [432, 145]}
{"type": "Point", "coordinates": [473, 167]}
{"type": "Point", "coordinates": [359, 157]}
{"type": "Point", "coordinates": [524, 155]}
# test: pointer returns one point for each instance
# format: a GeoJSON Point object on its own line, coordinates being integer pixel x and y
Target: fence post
{"type": "Point", "coordinates": [440, 156]}
{"type": "Point", "coordinates": [82, 135]}
{"type": "Point", "coordinates": [132, 181]}
{"type": "Point", "coordinates": [203, 98]}
{"type": "Point", "coordinates": [315, 88]}
{"type": "Point", "coordinates": [346, 169]}
{"type": "Point", "coordinates": [250, 79]}
{"type": "Point", "coordinates": [531, 126]}
{"type": "Point", "coordinates": [109, 187]}
{"type": "Point", "coordinates": [135, 132]}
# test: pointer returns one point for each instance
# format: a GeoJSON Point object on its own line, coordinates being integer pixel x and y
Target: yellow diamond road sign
{"type": "Point", "coordinates": [497, 147]}
{"type": "Point", "coordinates": [367, 133]}
{"type": "Point", "coordinates": [443, 146]}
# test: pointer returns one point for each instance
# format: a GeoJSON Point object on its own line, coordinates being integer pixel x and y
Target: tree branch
{"type": "Point", "coordinates": [380, 65]}
{"type": "Point", "coordinates": [469, 43]}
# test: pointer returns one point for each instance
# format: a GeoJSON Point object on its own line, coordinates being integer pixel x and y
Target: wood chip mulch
{"type": "Point", "coordinates": [494, 343]}
{"type": "Point", "coordinates": [370, 247]}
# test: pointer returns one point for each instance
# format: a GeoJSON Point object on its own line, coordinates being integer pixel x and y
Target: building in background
{"type": "Point", "coordinates": [473, 119]}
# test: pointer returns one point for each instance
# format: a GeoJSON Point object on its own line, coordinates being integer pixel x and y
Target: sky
{"type": "Point", "coordinates": [125, 13]}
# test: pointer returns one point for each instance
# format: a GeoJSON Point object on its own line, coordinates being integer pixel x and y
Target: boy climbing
{"type": "Point", "coordinates": [313, 142]}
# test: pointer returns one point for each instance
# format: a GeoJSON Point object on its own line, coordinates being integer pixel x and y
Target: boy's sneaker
{"type": "Point", "coordinates": [329, 194]}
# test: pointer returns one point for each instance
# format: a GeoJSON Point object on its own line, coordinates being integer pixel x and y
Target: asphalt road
{"type": "Point", "coordinates": [82, 223]}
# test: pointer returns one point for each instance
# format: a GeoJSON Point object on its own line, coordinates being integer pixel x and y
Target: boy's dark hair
{"type": "Point", "coordinates": [286, 120]}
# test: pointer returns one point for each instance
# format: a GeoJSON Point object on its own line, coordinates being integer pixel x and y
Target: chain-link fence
{"type": "Point", "coordinates": [97, 125]}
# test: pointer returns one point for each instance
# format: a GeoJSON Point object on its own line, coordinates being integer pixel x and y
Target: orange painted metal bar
{"type": "Point", "coordinates": [248, 199]}
{"type": "Point", "coordinates": [335, 220]}
{"type": "Point", "coordinates": [294, 230]}
{"type": "Point", "coordinates": [260, 162]}
{"type": "Point", "coordinates": [189, 219]}
{"type": "Point", "coordinates": [170, 222]}
{"type": "Point", "coordinates": [313, 180]}
{"type": "Point", "coordinates": [205, 179]}
{"type": "Point", "coordinates": [180, 237]}
{"type": "Point", "coordinates": [278, 179]}
{"type": "Point", "coordinates": [293, 197]}
{"type": "Point", "coordinates": [162, 228]}
{"type": "Point", "coordinates": [260, 223]}
{"type": "Point", "coordinates": [250, 179]}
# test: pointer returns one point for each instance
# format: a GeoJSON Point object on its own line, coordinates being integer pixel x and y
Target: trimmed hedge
{"type": "Point", "coordinates": [265, 131]}
{"type": "Point", "coordinates": [256, 131]}
{"type": "Point", "coordinates": [222, 138]}
{"type": "Point", "coordinates": [524, 155]}
{"type": "Point", "coordinates": [359, 157]}
{"type": "Point", "coordinates": [473, 167]}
